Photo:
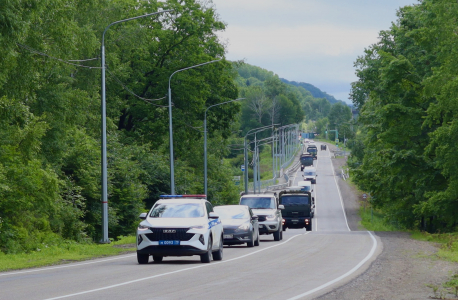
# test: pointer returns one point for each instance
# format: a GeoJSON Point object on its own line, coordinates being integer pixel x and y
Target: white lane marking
{"type": "Point", "coordinates": [177, 271]}
{"type": "Point", "coordinates": [67, 266]}
{"type": "Point", "coordinates": [340, 196]}
{"type": "Point", "coordinates": [371, 253]}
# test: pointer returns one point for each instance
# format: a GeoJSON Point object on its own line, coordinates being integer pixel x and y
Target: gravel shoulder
{"type": "Point", "coordinates": [406, 268]}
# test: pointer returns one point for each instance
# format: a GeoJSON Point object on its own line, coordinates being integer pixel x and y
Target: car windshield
{"type": "Point", "coordinates": [177, 210]}
{"type": "Point", "coordinates": [232, 212]}
{"type": "Point", "coordinates": [309, 173]}
{"type": "Point", "coordinates": [311, 150]}
{"type": "Point", "coordinates": [294, 200]}
{"type": "Point", "coordinates": [258, 202]}
{"type": "Point", "coordinates": [306, 188]}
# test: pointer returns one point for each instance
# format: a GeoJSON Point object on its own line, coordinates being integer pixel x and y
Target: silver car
{"type": "Point", "coordinates": [240, 225]}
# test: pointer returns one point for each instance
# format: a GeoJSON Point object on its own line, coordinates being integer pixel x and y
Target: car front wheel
{"type": "Point", "coordinates": [218, 255]}
{"type": "Point", "coordinates": [157, 258]}
{"type": "Point", "coordinates": [277, 234]}
{"type": "Point", "coordinates": [142, 258]}
{"type": "Point", "coordinates": [206, 257]}
{"type": "Point", "coordinates": [251, 242]}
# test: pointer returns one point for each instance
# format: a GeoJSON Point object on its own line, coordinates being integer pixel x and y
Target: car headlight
{"type": "Point", "coordinates": [270, 218]}
{"type": "Point", "coordinates": [244, 227]}
{"type": "Point", "coordinates": [199, 227]}
{"type": "Point", "coordinates": [142, 227]}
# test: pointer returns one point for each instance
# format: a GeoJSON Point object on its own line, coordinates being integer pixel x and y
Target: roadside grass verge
{"type": "Point", "coordinates": [64, 253]}
{"type": "Point", "coordinates": [448, 242]}
{"type": "Point", "coordinates": [375, 220]}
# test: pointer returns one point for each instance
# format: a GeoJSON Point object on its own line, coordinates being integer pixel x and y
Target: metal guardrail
{"type": "Point", "coordinates": [277, 187]}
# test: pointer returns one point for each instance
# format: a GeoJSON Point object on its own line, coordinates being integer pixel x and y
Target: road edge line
{"type": "Point", "coordinates": [354, 269]}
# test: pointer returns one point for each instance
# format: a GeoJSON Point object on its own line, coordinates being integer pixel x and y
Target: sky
{"type": "Point", "coordinates": [313, 41]}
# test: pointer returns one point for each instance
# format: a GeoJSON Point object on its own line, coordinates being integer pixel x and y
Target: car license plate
{"type": "Point", "coordinates": [169, 243]}
{"type": "Point", "coordinates": [228, 236]}
{"type": "Point", "coordinates": [295, 221]}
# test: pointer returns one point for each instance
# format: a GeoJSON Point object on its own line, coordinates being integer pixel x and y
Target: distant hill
{"type": "Point", "coordinates": [316, 92]}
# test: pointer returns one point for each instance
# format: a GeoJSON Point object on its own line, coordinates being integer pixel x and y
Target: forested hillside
{"type": "Point", "coordinates": [316, 92]}
{"type": "Point", "coordinates": [405, 154]}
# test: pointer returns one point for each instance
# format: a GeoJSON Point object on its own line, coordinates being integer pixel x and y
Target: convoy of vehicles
{"type": "Point", "coordinates": [186, 225]}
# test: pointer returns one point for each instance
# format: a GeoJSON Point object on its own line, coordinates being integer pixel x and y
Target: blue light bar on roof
{"type": "Point", "coordinates": [183, 196]}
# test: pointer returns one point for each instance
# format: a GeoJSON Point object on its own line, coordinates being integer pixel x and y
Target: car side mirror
{"type": "Point", "coordinates": [281, 206]}
{"type": "Point", "coordinates": [213, 215]}
{"type": "Point", "coordinates": [142, 216]}
{"type": "Point", "coordinates": [254, 217]}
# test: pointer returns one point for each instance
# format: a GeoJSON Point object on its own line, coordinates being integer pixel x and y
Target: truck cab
{"type": "Point", "coordinates": [299, 209]}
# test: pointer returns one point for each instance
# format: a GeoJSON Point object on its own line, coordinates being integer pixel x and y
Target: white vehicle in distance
{"type": "Point", "coordinates": [305, 186]}
{"type": "Point", "coordinates": [309, 174]}
{"type": "Point", "coordinates": [180, 225]}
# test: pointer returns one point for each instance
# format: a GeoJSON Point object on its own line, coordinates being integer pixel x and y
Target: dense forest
{"type": "Point", "coordinates": [404, 154]}
{"type": "Point", "coordinates": [50, 86]}
{"type": "Point", "coordinates": [50, 107]}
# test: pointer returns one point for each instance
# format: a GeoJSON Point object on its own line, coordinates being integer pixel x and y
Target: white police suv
{"type": "Point", "coordinates": [180, 225]}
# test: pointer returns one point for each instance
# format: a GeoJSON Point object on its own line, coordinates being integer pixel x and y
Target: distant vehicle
{"type": "Point", "coordinates": [306, 141]}
{"type": "Point", "coordinates": [299, 209]}
{"type": "Point", "coordinates": [310, 174]}
{"type": "Point", "coordinates": [305, 186]}
{"type": "Point", "coordinates": [306, 160]}
{"type": "Point", "coordinates": [312, 150]}
{"type": "Point", "coordinates": [240, 225]}
{"type": "Point", "coordinates": [180, 225]}
{"type": "Point", "coordinates": [323, 147]}
{"type": "Point", "coordinates": [266, 207]}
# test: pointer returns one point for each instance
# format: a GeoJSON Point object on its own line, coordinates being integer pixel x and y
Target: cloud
{"type": "Point", "coordinates": [322, 40]}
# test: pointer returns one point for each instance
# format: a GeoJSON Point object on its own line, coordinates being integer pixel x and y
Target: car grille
{"type": "Point", "coordinates": [159, 235]}
{"type": "Point", "coordinates": [296, 214]}
{"type": "Point", "coordinates": [261, 218]}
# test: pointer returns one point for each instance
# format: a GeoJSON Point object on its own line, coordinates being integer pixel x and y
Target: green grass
{"type": "Point", "coordinates": [375, 221]}
{"type": "Point", "coordinates": [64, 253]}
{"type": "Point", "coordinates": [448, 243]}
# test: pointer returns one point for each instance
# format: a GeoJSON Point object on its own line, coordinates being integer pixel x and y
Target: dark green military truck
{"type": "Point", "coordinates": [299, 209]}
{"type": "Point", "coordinates": [312, 149]}
{"type": "Point", "coordinates": [306, 160]}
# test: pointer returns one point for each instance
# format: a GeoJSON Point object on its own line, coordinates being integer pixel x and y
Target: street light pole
{"type": "Point", "coordinates": [205, 140]}
{"type": "Point", "coordinates": [104, 178]}
{"type": "Point", "coordinates": [172, 170]}
{"type": "Point", "coordinates": [246, 151]}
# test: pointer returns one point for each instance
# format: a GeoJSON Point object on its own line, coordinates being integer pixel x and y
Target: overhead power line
{"type": "Point", "coordinates": [69, 62]}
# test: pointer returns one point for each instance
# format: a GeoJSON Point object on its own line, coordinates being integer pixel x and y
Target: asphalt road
{"type": "Point", "coordinates": [303, 265]}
